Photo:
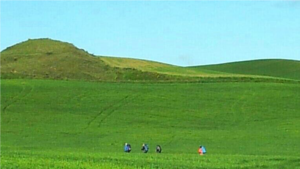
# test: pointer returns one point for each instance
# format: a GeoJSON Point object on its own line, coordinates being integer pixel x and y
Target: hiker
{"type": "Point", "coordinates": [127, 148]}
{"type": "Point", "coordinates": [158, 149]}
{"type": "Point", "coordinates": [145, 148]}
{"type": "Point", "coordinates": [201, 150]}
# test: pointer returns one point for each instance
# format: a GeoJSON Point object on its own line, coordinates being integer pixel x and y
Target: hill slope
{"type": "Point", "coordinates": [289, 69]}
{"type": "Point", "coordinates": [50, 59]}
{"type": "Point", "coordinates": [47, 123]}
{"type": "Point", "coordinates": [150, 66]}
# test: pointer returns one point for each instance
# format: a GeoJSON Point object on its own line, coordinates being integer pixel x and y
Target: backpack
{"type": "Point", "coordinates": [203, 150]}
{"type": "Point", "coordinates": [158, 149]}
{"type": "Point", "coordinates": [129, 147]}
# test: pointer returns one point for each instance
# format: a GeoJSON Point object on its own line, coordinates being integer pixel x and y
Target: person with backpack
{"type": "Point", "coordinates": [158, 149]}
{"type": "Point", "coordinates": [201, 150]}
{"type": "Point", "coordinates": [127, 148]}
{"type": "Point", "coordinates": [145, 148]}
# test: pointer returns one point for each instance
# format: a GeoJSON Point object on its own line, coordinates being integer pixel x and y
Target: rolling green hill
{"type": "Point", "coordinates": [150, 66]}
{"type": "Point", "coordinates": [50, 59]}
{"type": "Point", "coordinates": [73, 124]}
{"type": "Point", "coordinates": [289, 69]}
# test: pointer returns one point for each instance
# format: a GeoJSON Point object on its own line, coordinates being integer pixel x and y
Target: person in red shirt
{"type": "Point", "coordinates": [200, 151]}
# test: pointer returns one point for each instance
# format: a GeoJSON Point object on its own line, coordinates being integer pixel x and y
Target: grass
{"type": "Point", "coordinates": [51, 59]}
{"type": "Point", "coordinates": [269, 67]}
{"type": "Point", "coordinates": [162, 68]}
{"type": "Point", "coordinates": [120, 160]}
{"type": "Point", "coordinates": [71, 124]}
{"type": "Point", "coordinates": [66, 120]}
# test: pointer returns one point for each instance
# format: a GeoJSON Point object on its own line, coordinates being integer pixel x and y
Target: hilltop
{"type": "Point", "coordinates": [52, 59]}
{"type": "Point", "coordinates": [281, 68]}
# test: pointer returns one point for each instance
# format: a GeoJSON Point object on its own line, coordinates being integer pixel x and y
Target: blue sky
{"type": "Point", "coordinates": [175, 32]}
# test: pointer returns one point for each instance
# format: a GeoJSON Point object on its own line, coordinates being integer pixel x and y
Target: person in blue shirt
{"type": "Point", "coordinates": [127, 148]}
{"type": "Point", "coordinates": [145, 148]}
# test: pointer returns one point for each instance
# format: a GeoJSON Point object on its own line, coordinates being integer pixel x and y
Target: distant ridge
{"type": "Point", "coordinates": [52, 59]}
{"type": "Point", "coordinates": [163, 68]}
{"type": "Point", "coordinates": [281, 68]}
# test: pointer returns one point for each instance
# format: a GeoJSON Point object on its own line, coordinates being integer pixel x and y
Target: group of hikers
{"type": "Point", "coordinates": [145, 149]}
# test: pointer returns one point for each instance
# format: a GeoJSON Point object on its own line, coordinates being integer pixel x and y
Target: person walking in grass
{"type": "Point", "coordinates": [145, 148]}
{"type": "Point", "coordinates": [127, 148]}
{"type": "Point", "coordinates": [158, 149]}
{"type": "Point", "coordinates": [201, 150]}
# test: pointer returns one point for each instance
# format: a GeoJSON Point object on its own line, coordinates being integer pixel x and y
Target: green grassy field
{"type": "Point", "coordinates": [268, 67]}
{"type": "Point", "coordinates": [62, 107]}
{"type": "Point", "coordinates": [73, 124]}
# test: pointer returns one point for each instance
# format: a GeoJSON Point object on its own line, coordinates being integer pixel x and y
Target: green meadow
{"type": "Point", "coordinates": [77, 124]}
{"type": "Point", "coordinates": [62, 107]}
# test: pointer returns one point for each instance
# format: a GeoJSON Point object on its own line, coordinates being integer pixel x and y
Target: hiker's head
{"type": "Point", "coordinates": [200, 146]}
{"type": "Point", "coordinates": [125, 144]}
